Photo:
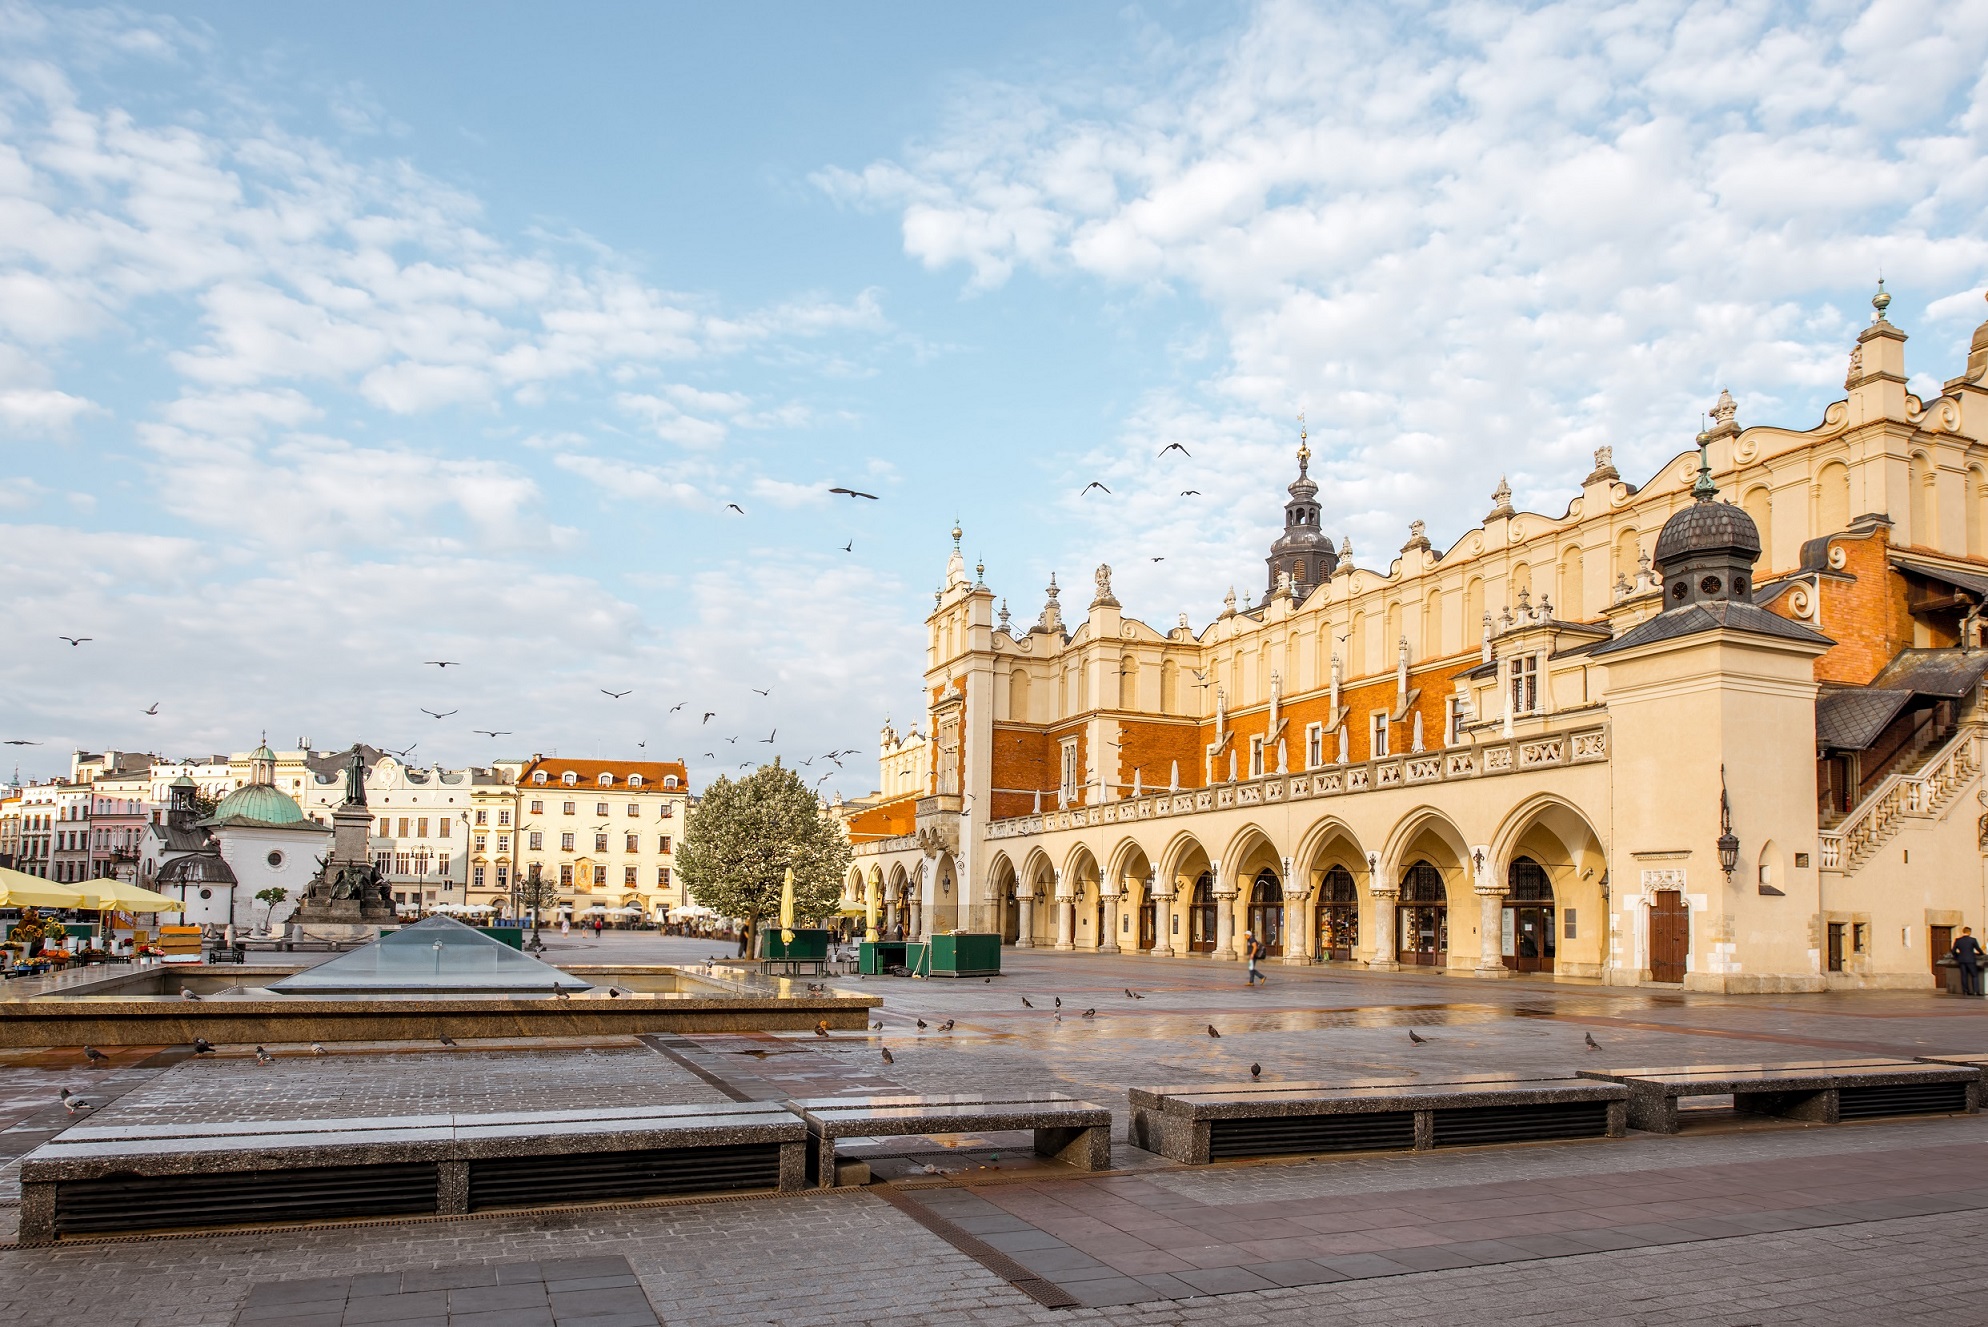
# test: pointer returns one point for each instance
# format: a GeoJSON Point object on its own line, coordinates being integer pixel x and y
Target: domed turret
{"type": "Point", "coordinates": [258, 802]}
{"type": "Point", "coordinates": [1303, 551]}
{"type": "Point", "coordinates": [1706, 552]}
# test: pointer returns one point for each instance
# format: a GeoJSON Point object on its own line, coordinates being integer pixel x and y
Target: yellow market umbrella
{"type": "Point", "coordinates": [18, 889]}
{"type": "Point", "coordinates": [787, 908]}
{"type": "Point", "coordinates": [126, 897]}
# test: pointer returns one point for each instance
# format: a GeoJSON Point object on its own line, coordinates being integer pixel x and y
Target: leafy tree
{"type": "Point", "coordinates": [270, 897]}
{"type": "Point", "coordinates": [739, 842]}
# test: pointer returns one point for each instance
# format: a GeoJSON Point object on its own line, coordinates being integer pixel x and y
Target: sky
{"type": "Point", "coordinates": [337, 339]}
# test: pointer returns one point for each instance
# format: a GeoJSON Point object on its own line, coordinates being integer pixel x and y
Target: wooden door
{"type": "Point", "coordinates": [1939, 943]}
{"type": "Point", "coordinates": [1148, 924]}
{"type": "Point", "coordinates": [1670, 935]}
{"type": "Point", "coordinates": [1836, 946]}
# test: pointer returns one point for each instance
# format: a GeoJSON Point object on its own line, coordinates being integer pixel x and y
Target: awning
{"type": "Point", "coordinates": [18, 889]}
{"type": "Point", "coordinates": [1973, 581]}
{"type": "Point", "coordinates": [122, 896]}
{"type": "Point", "coordinates": [1851, 720]}
{"type": "Point", "coordinates": [690, 911]}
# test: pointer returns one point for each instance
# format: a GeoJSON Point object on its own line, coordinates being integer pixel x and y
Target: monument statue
{"type": "Point", "coordinates": [348, 892]}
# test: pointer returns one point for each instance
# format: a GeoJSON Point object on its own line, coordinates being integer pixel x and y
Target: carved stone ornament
{"type": "Point", "coordinates": [1105, 598]}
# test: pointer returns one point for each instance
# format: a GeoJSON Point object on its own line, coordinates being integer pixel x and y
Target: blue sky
{"type": "Point", "coordinates": [337, 339]}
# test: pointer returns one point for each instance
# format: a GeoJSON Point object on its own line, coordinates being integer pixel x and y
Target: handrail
{"type": "Point", "coordinates": [1876, 818]}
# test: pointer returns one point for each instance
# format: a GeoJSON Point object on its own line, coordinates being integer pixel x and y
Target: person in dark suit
{"type": "Point", "coordinates": [1968, 954]}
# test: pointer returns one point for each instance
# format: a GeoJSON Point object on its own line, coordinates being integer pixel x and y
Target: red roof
{"type": "Point", "coordinates": [655, 774]}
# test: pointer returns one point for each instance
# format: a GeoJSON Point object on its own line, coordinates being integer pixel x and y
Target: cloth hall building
{"type": "Point", "coordinates": [1722, 728]}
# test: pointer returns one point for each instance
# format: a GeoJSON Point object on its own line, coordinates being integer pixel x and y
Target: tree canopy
{"type": "Point", "coordinates": [744, 834]}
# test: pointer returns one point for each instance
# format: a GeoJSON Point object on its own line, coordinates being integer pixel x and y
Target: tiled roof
{"type": "Point", "coordinates": [1714, 615]}
{"type": "Point", "coordinates": [1851, 719]}
{"type": "Point", "coordinates": [588, 772]}
{"type": "Point", "coordinates": [1949, 673]}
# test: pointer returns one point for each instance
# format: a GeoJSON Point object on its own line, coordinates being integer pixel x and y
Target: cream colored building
{"type": "Point", "coordinates": [605, 831]}
{"type": "Point", "coordinates": [1728, 740]}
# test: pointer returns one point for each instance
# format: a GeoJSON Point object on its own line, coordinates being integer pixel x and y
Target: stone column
{"type": "Point", "coordinates": [1383, 893]}
{"type": "Point", "coordinates": [1066, 916]}
{"type": "Point", "coordinates": [1108, 942]}
{"type": "Point", "coordinates": [1025, 899]}
{"type": "Point", "coordinates": [1162, 916]}
{"type": "Point", "coordinates": [1298, 929]}
{"type": "Point", "coordinates": [1490, 892]}
{"type": "Point", "coordinates": [1225, 913]}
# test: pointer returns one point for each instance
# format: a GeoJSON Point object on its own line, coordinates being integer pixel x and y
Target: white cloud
{"type": "Point", "coordinates": [40, 410]}
{"type": "Point", "coordinates": [1473, 238]}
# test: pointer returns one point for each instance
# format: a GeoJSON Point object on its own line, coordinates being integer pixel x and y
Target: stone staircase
{"type": "Point", "coordinates": [1920, 786]}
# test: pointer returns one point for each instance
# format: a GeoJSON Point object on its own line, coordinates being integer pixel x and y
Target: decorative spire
{"type": "Point", "coordinates": [1004, 618]}
{"type": "Point", "coordinates": [1304, 446]}
{"type": "Point", "coordinates": [1704, 490]}
{"type": "Point", "coordinates": [1880, 302]}
{"type": "Point", "coordinates": [1052, 611]}
{"type": "Point", "coordinates": [1501, 500]}
{"type": "Point", "coordinates": [980, 574]}
{"type": "Point", "coordinates": [1229, 603]}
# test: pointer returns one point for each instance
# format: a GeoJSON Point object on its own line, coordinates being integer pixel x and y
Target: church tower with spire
{"type": "Point", "coordinates": [1304, 551]}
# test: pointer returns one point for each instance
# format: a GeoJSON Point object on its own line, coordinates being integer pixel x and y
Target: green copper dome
{"type": "Point", "coordinates": [258, 801]}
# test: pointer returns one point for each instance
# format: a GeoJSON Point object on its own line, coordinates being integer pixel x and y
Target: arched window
{"type": "Point", "coordinates": [1018, 696]}
{"type": "Point", "coordinates": [1627, 549]}
{"type": "Point", "coordinates": [1337, 887]}
{"type": "Point", "coordinates": [538, 776]}
{"type": "Point", "coordinates": [635, 780]}
{"type": "Point", "coordinates": [569, 778]}
{"type": "Point", "coordinates": [1920, 479]}
{"type": "Point", "coordinates": [669, 781]}
{"type": "Point", "coordinates": [606, 780]}
{"type": "Point", "coordinates": [1527, 881]}
{"type": "Point", "coordinates": [1201, 915]}
{"type": "Point", "coordinates": [1759, 504]}
{"type": "Point", "coordinates": [1571, 604]}
{"type": "Point", "coordinates": [1423, 883]}
{"type": "Point", "coordinates": [1832, 504]}
{"type": "Point", "coordinates": [1169, 687]}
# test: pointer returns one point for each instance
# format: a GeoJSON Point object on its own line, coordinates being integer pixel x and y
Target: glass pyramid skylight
{"type": "Point", "coordinates": [437, 955]}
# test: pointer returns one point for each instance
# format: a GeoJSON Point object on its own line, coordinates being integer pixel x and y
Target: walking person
{"type": "Point", "coordinates": [1253, 949]}
{"type": "Point", "coordinates": [1968, 954]}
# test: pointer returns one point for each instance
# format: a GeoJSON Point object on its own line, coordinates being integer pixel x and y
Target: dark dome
{"type": "Point", "coordinates": [1707, 527]}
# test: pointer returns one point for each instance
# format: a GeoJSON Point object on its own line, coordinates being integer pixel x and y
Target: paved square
{"type": "Point", "coordinates": [555, 1292]}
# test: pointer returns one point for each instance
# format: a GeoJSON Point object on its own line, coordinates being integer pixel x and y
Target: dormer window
{"type": "Point", "coordinates": [606, 780]}
{"type": "Point", "coordinates": [569, 778]}
{"type": "Point", "coordinates": [538, 776]}
{"type": "Point", "coordinates": [669, 781]}
{"type": "Point", "coordinates": [635, 780]}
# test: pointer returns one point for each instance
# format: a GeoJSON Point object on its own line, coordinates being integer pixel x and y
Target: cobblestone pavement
{"type": "Point", "coordinates": [1771, 1223]}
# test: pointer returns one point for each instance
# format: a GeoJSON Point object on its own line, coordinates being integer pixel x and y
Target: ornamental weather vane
{"type": "Point", "coordinates": [1304, 446]}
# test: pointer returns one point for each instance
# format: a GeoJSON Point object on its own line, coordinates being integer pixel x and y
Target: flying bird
{"type": "Point", "coordinates": [767, 692]}
{"type": "Point", "coordinates": [1088, 487]}
{"type": "Point", "coordinates": [849, 547]}
{"type": "Point", "coordinates": [710, 715]}
{"type": "Point", "coordinates": [1175, 447]}
{"type": "Point", "coordinates": [679, 705]}
{"type": "Point", "coordinates": [153, 710]}
{"type": "Point", "coordinates": [732, 741]}
{"type": "Point", "coordinates": [1212, 1032]}
{"type": "Point", "coordinates": [853, 493]}
{"type": "Point", "coordinates": [1589, 1037]}
{"type": "Point", "coordinates": [733, 506]}
{"type": "Point", "coordinates": [443, 663]}
{"type": "Point", "coordinates": [768, 739]}
{"type": "Point", "coordinates": [710, 755]}
{"type": "Point", "coordinates": [21, 741]}
{"type": "Point", "coordinates": [1417, 1040]}
{"type": "Point", "coordinates": [442, 715]}
{"type": "Point", "coordinates": [95, 1056]}
{"type": "Point", "coordinates": [1190, 493]}
{"type": "Point", "coordinates": [617, 695]}
{"type": "Point", "coordinates": [1159, 559]}
{"type": "Point", "coordinates": [74, 641]}
{"type": "Point", "coordinates": [493, 732]}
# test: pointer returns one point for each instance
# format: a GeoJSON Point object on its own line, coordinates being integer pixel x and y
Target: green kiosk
{"type": "Point", "coordinates": [959, 954]}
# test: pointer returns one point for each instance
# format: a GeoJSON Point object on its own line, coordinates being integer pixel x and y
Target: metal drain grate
{"type": "Point", "coordinates": [248, 1197]}
{"type": "Point", "coordinates": [593, 1176]}
{"type": "Point", "coordinates": [1863, 1103]}
{"type": "Point", "coordinates": [1290, 1134]}
{"type": "Point", "coordinates": [1463, 1127]}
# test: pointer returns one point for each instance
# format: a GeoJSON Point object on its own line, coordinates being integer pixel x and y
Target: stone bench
{"type": "Point", "coordinates": [1216, 1121]}
{"type": "Point", "coordinates": [1816, 1091]}
{"type": "Point", "coordinates": [102, 1178]}
{"type": "Point", "coordinates": [1065, 1128]}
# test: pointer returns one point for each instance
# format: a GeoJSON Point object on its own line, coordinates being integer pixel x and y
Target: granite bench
{"type": "Point", "coordinates": [1217, 1121]}
{"type": "Point", "coordinates": [1071, 1131]}
{"type": "Point", "coordinates": [1815, 1091]}
{"type": "Point", "coordinates": [102, 1178]}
